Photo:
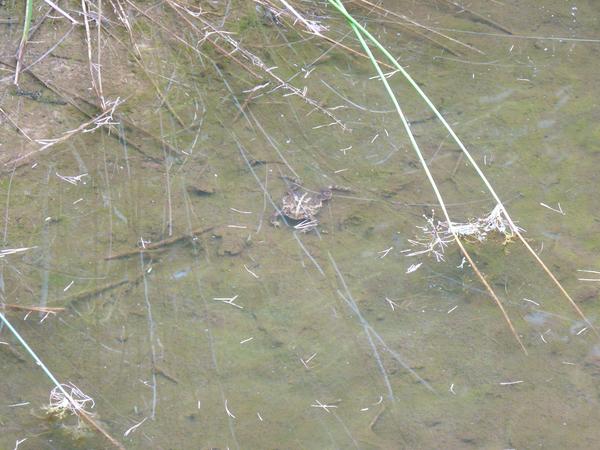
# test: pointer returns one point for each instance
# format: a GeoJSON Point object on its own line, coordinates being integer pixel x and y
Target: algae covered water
{"type": "Point", "coordinates": [145, 155]}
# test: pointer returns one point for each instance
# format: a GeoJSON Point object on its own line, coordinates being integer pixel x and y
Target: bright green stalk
{"type": "Point", "coordinates": [392, 96]}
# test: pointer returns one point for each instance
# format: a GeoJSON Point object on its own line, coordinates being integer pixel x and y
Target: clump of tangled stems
{"type": "Point", "coordinates": [436, 236]}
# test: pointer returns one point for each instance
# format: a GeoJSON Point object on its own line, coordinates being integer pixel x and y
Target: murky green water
{"type": "Point", "coordinates": [252, 336]}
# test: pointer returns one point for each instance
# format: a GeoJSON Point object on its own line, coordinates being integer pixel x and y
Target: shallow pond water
{"type": "Point", "coordinates": [193, 322]}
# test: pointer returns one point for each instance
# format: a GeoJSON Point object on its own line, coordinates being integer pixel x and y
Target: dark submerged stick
{"type": "Point", "coordinates": [161, 244]}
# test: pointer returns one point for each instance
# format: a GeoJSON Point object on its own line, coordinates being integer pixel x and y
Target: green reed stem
{"type": "Point", "coordinates": [359, 30]}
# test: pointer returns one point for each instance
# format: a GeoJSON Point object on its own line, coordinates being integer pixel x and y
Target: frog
{"type": "Point", "coordinates": [301, 207]}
